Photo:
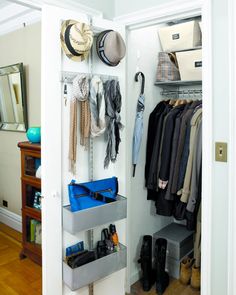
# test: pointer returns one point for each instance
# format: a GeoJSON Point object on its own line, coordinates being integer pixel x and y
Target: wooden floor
{"type": "Point", "coordinates": [17, 277]}
{"type": "Point", "coordinates": [23, 277]}
{"type": "Point", "coordinates": [175, 288]}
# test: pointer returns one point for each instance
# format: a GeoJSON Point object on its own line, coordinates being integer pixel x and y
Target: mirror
{"type": "Point", "coordinates": [13, 112]}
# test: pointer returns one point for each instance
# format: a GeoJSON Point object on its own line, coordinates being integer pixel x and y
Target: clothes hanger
{"type": "Point", "coordinates": [172, 102]}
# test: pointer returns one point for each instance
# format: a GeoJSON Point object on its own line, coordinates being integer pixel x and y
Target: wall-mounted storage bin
{"type": "Point", "coordinates": [74, 222]}
{"type": "Point", "coordinates": [180, 36]}
{"type": "Point", "coordinates": [190, 64]}
{"type": "Point", "coordinates": [95, 270]}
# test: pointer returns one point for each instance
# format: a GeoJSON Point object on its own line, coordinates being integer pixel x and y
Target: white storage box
{"type": "Point", "coordinates": [180, 37]}
{"type": "Point", "coordinates": [190, 64]}
{"type": "Point", "coordinates": [200, 25]}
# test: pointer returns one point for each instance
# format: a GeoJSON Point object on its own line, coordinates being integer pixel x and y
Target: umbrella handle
{"type": "Point", "coordinates": [134, 168]}
{"type": "Point", "coordinates": [143, 80]}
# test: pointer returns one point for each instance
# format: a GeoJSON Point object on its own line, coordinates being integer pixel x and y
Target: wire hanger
{"type": "Point", "coordinates": [143, 80]}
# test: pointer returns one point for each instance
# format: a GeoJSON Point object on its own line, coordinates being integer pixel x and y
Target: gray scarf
{"type": "Point", "coordinates": [113, 108]}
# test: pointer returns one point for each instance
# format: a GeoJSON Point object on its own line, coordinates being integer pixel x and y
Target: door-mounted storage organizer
{"type": "Point", "coordinates": [88, 219]}
{"type": "Point", "coordinates": [84, 275]}
{"type": "Point", "coordinates": [74, 222]}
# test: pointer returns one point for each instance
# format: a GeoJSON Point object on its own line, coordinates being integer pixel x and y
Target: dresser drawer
{"type": "Point", "coordinates": [179, 240]}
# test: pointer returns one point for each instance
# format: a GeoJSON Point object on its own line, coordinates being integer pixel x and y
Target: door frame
{"type": "Point", "coordinates": [147, 17]}
{"type": "Point", "coordinates": [231, 149]}
{"type": "Point", "coordinates": [160, 14]}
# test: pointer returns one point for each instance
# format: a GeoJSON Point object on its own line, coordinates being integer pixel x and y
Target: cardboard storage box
{"type": "Point", "coordinates": [179, 240]}
{"type": "Point", "coordinates": [190, 64]}
{"type": "Point", "coordinates": [180, 37]}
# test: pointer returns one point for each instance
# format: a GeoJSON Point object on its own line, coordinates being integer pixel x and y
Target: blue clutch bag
{"type": "Point", "coordinates": [91, 194]}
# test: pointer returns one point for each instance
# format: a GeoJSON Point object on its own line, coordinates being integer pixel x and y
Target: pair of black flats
{"type": "Point", "coordinates": [156, 274]}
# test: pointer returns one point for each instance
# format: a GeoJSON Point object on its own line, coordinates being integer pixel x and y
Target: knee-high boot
{"type": "Point", "coordinates": [146, 263]}
{"type": "Point", "coordinates": [162, 277]}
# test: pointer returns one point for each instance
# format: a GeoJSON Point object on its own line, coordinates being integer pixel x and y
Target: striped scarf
{"type": "Point", "coordinates": [80, 92]}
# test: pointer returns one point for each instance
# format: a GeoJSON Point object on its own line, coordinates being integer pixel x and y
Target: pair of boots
{"type": "Point", "coordinates": [189, 273]}
{"type": "Point", "coordinates": [158, 274]}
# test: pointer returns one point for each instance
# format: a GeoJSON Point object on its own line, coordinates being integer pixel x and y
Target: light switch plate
{"type": "Point", "coordinates": [221, 151]}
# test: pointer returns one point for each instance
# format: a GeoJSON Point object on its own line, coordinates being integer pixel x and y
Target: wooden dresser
{"type": "Point", "coordinates": [31, 201]}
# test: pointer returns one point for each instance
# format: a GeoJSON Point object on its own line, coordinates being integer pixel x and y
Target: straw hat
{"type": "Point", "coordinates": [76, 39]}
{"type": "Point", "coordinates": [110, 47]}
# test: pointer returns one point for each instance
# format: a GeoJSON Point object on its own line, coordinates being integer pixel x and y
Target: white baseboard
{"type": "Point", "coordinates": [11, 219]}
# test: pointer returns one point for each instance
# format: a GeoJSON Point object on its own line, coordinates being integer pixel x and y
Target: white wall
{"type": "Point", "coordinates": [23, 45]}
{"type": "Point", "coordinates": [106, 6]}
{"type": "Point", "coordinates": [124, 7]}
{"type": "Point", "coordinates": [142, 219]}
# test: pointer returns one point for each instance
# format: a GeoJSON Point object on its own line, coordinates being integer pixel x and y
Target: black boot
{"type": "Point", "coordinates": [162, 277]}
{"type": "Point", "coordinates": [146, 263]}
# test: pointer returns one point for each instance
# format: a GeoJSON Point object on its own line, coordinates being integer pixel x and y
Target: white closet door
{"type": "Point", "coordinates": [52, 146]}
{"type": "Point", "coordinates": [55, 134]}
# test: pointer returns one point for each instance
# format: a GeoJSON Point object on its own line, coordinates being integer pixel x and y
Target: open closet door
{"type": "Point", "coordinates": [55, 148]}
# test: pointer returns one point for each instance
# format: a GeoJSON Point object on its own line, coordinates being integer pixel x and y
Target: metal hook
{"type": "Point", "coordinates": [143, 80]}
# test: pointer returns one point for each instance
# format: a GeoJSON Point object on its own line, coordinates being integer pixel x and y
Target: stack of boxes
{"type": "Point", "coordinates": [179, 245]}
{"type": "Point", "coordinates": [184, 39]}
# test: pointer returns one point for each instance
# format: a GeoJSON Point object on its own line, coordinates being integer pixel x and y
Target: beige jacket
{"type": "Point", "coordinates": [187, 180]}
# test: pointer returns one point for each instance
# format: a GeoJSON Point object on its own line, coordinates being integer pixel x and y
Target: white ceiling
{"type": "Point", "coordinates": [15, 16]}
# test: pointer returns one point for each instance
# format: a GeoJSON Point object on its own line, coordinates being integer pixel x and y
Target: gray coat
{"type": "Point", "coordinates": [196, 173]}
{"type": "Point", "coordinates": [187, 116]}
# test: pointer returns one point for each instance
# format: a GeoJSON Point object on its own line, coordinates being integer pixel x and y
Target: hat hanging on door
{"type": "Point", "coordinates": [76, 39]}
{"type": "Point", "coordinates": [110, 47]}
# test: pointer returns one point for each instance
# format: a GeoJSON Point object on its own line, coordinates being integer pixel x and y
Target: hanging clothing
{"type": "Point", "coordinates": [73, 135]}
{"type": "Point", "coordinates": [80, 93]}
{"type": "Point", "coordinates": [154, 159]}
{"type": "Point", "coordinates": [167, 146]}
{"type": "Point", "coordinates": [182, 136]}
{"type": "Point", "coordinates": [113, 118]}
{"type": "Point", "coordinates": [174, 153]}
{"type": "Point", "coordinates": [152, 123]}
{"type": "Point", "coordinates": [196, 119]}
{"type": "Point", "coordinates": [195, 193]}
{"type": "Point", "coordinates": [197, 242]}
{"type": "Point", "coordinates": [169, 195]}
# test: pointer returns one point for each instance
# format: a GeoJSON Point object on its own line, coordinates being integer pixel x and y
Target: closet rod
{"type": "Point", "coordinates": [181, 92]}
{"type": "Point", "coordinates": [68, 77]}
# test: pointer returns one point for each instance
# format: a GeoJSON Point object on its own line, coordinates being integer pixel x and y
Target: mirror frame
{"type": "Point", "coordinates": [20, 70]}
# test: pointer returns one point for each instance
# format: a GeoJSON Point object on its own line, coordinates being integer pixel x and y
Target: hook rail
{"type": "Point", "coordinates": [68, 77]}
{"type": "Point", "coordinates": [190, 92]}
